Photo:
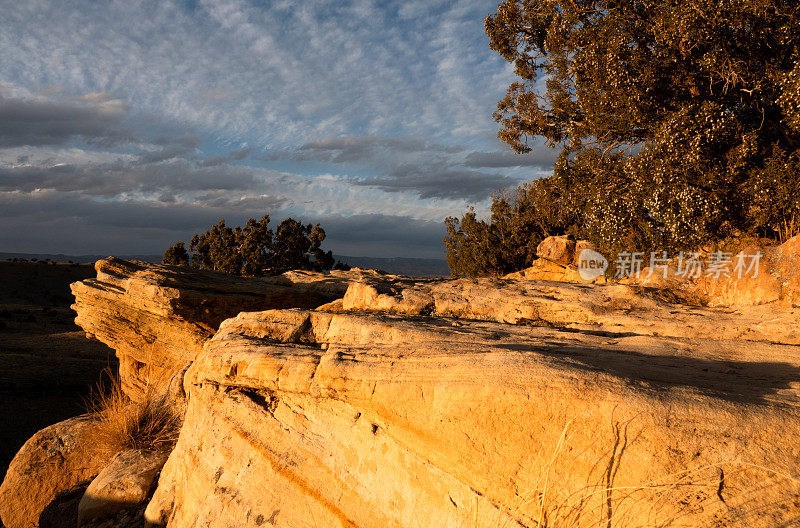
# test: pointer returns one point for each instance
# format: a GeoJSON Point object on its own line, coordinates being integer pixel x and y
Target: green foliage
{"type": "Point", "coordinates": [297, 246]}
{"type": "Point", "coordinates": [678, 124]}
{"type": "Point", "coordinates": [252, 249]}
{"type": "Point", "coordinates": [176, 255]}
{"type": "Point", "coordinates": [507, 241]}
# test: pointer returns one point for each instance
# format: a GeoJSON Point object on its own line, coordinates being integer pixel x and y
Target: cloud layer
{"type": "Point", "coordinates": [128, 125]}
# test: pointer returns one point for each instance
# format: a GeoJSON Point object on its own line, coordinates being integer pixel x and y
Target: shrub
{"type": "Point", "coordinates": [176, 255]}
{"type": "Point", "coordinates": [150, 424]}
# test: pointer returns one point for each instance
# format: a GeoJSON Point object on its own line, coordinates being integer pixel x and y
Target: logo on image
{"type": "Point", "coordinates": [591, 264]}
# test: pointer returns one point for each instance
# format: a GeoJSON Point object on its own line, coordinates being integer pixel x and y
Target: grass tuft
{"type": "Point", "coordinates": [150, 424]}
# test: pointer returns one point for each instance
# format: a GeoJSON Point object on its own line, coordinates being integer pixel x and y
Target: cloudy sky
{"type": "Point", "coordinates": [126, 125]}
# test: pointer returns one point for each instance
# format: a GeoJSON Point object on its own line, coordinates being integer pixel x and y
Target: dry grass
{"type": "Point", "coordinates": [150, 424]}
{"type": "Point", "coordinates": [788, 229]}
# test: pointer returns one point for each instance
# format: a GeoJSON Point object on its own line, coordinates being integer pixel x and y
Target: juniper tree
{"type": "Point", "coordinates": [254, 250]}
{"type": "Point", "coordinates": [689, 111]}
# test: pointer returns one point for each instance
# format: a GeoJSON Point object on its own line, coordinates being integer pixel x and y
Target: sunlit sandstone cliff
{"type": "Point", "coordinates": [492, 402]}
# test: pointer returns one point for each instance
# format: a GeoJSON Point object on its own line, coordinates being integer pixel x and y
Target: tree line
{"type": "Point", "coordinates": [254, 250]}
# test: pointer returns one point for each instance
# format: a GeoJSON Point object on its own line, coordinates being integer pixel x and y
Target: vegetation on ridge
{"type": "Point", "coordinates": [254, 250]}
{"type": "Point", "coordinates": [678, 125]}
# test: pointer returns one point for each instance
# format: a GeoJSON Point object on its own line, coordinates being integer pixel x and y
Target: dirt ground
{"type": "Point", "coordinates": [47, 365]}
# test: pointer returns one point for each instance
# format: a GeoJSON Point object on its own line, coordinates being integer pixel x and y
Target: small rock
{"type": "Point", "coordinates": [124, 484]}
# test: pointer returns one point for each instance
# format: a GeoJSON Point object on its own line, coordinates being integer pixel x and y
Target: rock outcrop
{"type": "Point", "coordinates": [157, 317]}
{"type": "Point", "coordinates": [612, 309]}
{"type": "Point", "coordinates": [304, 418]}
{"type": "Point", "coordinates": [753, 276]}
{"type": "Point", "coordinates": [485, 402]}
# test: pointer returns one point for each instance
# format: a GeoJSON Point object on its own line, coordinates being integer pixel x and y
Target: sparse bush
{"type": "Point", "coordinates": [150, 424]}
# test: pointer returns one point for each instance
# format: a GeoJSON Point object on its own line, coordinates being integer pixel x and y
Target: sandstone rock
{"type": "Point", "coordinates": [785, 260]}
{"type": "Point", "coordinates": [53, 460]}
{"type": "Point", "coordinates": [62, 511]}
{"type": "Point", "coordinates": [361, 296]}
{"type": "Point", "coordinates": [473, 402]}
{"type": "Point", "coordinates": [558, 249]}
{"type": "Point", "coordinates": [300, 418]}
{"type": "Point", "coordinates": [743, 288]}
{"type": "Point", "coordinates": [333, 306]}
{"type": "Point", "coordinates": [158, 317]}
{"type": "Point", "coordinates": [756, 275]}
{"type": "Point", "coordinates": [123, 484]}
{"type": "Point", "coordinates": [580, 245]}
{"type": "Point", "coordinates": [612, 309]}
{"type": "Point", "coordinates": [546, 270]}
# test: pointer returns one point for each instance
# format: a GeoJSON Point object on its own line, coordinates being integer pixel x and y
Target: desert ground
{"type": "Point", "coordinates": [47, 365]}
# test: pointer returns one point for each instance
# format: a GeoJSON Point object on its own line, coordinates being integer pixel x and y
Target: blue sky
{"type": "Point", "coordinates": [125, 125]}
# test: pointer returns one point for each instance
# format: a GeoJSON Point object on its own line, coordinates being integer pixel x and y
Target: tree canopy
{"type": "Point", "coordinates": [253, 249]}
{"type": "Point", "coordinates": [678, 122]}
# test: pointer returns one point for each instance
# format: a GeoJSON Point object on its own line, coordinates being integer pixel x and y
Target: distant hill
{"type": "Point", "coordinates": [413, 267]}
{"type": "Point", "coordinates": [80, 259]}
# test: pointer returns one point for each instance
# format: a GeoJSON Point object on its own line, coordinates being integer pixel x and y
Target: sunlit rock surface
{"type": "Point", "coordinates": [486, 402]}
{"type": "Point", "coordinates": [322, 419]}
{"type": "Point", "coordinates": [157, 317]}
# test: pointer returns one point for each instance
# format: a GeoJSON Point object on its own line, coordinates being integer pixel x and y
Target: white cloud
{"type": "Point", "coordinates": [276, 74]}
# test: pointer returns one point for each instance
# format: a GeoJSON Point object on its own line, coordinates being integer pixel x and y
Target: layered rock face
{"type": "Point", "coordinates": [157, 317]}
{"type": "Point", "coordinates": [490, 402]}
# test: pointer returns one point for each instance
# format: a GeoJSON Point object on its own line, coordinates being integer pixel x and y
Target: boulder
{"type": "Point", "coordinates": [54, 460]}
{"type": "Point", "coordinates": [581, 245]}
{"type": "Point", "coordinates": [299, 418]}
{"type": "Point", "coordinates": [123, 484]}
{"type": "Point", "coordinates": [558, 249]}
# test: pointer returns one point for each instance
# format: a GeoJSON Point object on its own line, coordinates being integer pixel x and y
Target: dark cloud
{"type": "Point", "coordinates": [37, 123]}
{"type": "Point", "coordinates": [357, 149]}
{"type": "Point", "coordinates": [379, 235]}
{"type": "Point", "coordinates": [541, 157]}
{"type": "Point", "coordinates": [214, 161]}
{"type": "Point", "coordinates": [233, 155]}
{"type": "Point", "coordinates": [114, 178]}
{"type": "Point", "coordinates": [237, 155]}
{"type": "Point", "coordinates": [172, 147]}
{"type": "Point", "coordinates": [51, 206]}
{"type": "Point", "coordinates": [74, 223]}
{"type": "Point", "coordinates": [441, 181]}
